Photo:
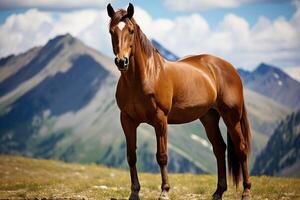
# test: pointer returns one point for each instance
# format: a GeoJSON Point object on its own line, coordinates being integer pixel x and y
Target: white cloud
{"type": "Point", "coordinates": [196, 5]}
{"type": "Point", "coordinates": [23, 31]}
{"type": "Point", "coordinates": [52, 4]}
{"type": "Point", "coordinates": [97, 35]}
{"type": "Point", "coordinates": [275, 42]}
{"type": "Point", "coordinates": [293, 72]}
{"type": "Point", "coordinates": [201, 5]}
{"type": "Point", "coordinates": [19, 32]}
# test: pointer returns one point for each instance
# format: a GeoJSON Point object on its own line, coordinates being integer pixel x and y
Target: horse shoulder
{"type": "Point", "coordinates": [163, 95]}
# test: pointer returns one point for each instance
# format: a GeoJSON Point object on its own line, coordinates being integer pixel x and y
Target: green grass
{"type": "Point", "coordinates": [31, 178]}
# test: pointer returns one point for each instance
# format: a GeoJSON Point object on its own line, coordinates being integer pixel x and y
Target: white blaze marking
{"type": "Point", "coordinates": [121, 25]}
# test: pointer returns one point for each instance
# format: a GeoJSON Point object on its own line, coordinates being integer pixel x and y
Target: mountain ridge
{"type": "Point", "coordinates": [274, 83]}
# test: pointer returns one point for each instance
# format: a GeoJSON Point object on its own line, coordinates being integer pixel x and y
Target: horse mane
{"type": "Point", "coordinates": [146, 45]}
{"type": "Point", "coordinates": [119, 15]}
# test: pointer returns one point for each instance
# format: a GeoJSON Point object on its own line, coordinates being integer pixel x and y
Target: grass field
{"type": "Point", "coordinates": [25, 178]}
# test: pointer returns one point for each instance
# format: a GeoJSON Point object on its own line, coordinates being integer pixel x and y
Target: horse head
{"type": "Point", "coordinates": [122, 31]}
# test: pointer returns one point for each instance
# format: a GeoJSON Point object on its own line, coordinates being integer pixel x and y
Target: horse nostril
{"type": "Point", "coordinates": [116, 61]}
{"type": "Point", "coordinates": [126, 61]}
{"type": "Point", "coordinates": [121, 63]}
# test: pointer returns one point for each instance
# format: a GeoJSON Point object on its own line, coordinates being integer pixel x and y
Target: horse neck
{"type": "Point", "coordinates": [145, 63]}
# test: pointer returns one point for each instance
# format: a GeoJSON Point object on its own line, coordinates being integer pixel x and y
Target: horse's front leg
{"type": "Point", "coordinates": [129, 127]}
{"type": "Point", "coordinates": [160, 126]}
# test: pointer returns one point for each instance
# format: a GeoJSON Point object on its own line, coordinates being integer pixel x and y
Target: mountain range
{"type": "Point", "coordinates": [273, 83]}
{"type": "Point", "coordinates": [57, 101]}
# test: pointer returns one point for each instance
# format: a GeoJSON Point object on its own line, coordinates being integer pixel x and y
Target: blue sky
{"type": "Point", "coordinates": [157, 8]}
{"type": "Point", "coordinates": [250, 12]}
{"type": "Point", "coordinates": [245, 32]}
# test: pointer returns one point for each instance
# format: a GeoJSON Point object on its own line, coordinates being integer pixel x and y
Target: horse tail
{"type": "Point", "coordinates": [246, 129]}
{"type": "Point", "coordinates": [234, 162]}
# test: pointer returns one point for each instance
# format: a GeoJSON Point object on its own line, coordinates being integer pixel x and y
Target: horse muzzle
{"type": "Point", "coordinates": [122, 63]}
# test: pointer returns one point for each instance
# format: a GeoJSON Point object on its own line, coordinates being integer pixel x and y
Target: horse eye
{"type": "Point", "coordinates": [131, 31]}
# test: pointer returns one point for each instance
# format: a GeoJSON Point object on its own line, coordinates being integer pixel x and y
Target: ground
{"type": "Point", "coordinates": [26, 178]}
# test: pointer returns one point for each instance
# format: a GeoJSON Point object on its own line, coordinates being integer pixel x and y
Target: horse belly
{"type": "Point", "coordinates": [191, 103]}
{"type": "Point", "coordinates": [193, 96]}
{"type": "Point", "coordinates": [188, 114]}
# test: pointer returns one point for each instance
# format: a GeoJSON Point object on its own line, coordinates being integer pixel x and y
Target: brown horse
{"type": "Point", "coordinates": [155, 91]}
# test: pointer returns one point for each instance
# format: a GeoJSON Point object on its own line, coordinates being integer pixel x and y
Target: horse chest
{"type": "Point", "coordinates": [138, 107]}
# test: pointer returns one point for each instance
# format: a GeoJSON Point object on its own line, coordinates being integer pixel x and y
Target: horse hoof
{"type": "Point", "coordinates": [247, 197]}
{"type": "Point", "coordinates": [217, 197]}
{"type": "Point", "coordinates": [134, 196]}
{"type": "Point", "coordinates": [164, 196]}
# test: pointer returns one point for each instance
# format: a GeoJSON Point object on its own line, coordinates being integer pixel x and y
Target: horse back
{"type": "Point", "coordinates": [227, 80]}
{"type": "Point", "coordinates": [203, 82]}
{"type": "Point", "coordinates": [219, 70]}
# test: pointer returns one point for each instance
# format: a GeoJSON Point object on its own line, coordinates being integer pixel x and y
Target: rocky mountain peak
{"type": "Point", "coordinates": [62, 39]}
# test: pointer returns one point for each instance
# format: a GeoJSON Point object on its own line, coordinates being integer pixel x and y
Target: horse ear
{"type": "Point", "coordinates": [130, 11]}
{"type": "Point", "coordinates": [110, 11]}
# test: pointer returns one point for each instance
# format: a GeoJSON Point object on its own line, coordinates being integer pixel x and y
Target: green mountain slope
{"type": "Point", "coordinates": [281, 157]}
{"type": "Point", "coordinates": [264, 115]}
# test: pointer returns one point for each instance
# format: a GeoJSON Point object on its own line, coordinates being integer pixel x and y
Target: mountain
{"type": "Point", "coordinates": [43, 100]}
{"type": "Point", "coordinates": [273, 83]}
{"type": "Point", "coordinates": [57, 101]}
{"type": "Point", "coordinates": [281, 157]}
{"type": "Point", "coordinates": [11, 64]}
{"type": "Point", "coordinates": [165, 52]}
{"type": "Point", "coordinates": [243, 74]}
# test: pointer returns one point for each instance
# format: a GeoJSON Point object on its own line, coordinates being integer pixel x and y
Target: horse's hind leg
{"type": "Point", "coordinates": [129, 128]}
{"type": "Point", "coordinates": [235, 133]}
{"type": "Point", "coordinates": [210, 122]}
{"type": "Point", "coordinates": [237, 150]}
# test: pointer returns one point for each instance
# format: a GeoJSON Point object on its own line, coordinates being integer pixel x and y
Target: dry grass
{"type": "Point", "coordinates": [24, 178]}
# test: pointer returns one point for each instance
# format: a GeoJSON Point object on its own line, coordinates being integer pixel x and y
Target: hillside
{"type": "Point", "coordinates": [45, 179]}
{"type": "Point", "coordinates": [57, 101]}
{"type": "Point", "coordinates": [281, 157]}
